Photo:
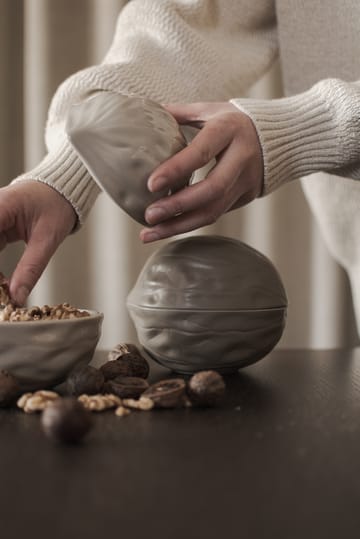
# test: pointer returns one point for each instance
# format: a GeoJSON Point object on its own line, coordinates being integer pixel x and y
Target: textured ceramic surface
{"type": "Point", "coordinates": [121, 140]}
{"type": "Point", "coordinates": [41, 353]}
{"type": "Point", "coordinates": [208, 302]}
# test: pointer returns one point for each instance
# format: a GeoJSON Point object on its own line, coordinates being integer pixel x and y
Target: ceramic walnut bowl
{"type": "Point", "coordinates": [208, 302]}
{"type": "Point", "coordinates": [41, 353]}
{"type": "Point", "coordinates": [121, 139]}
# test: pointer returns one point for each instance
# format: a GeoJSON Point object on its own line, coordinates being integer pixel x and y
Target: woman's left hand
{"type": "Point", "coordinates": [226, 134]}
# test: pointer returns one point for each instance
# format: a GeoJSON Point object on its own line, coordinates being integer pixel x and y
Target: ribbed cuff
{"type": "Point", "coordinates": [64, 171]}
{"type": "Point", "coordinates": [298, 136]}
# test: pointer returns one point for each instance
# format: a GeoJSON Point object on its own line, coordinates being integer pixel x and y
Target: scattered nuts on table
{"type": "Point", "coordinates": [66, 420]}
{"type": "Point", "coordinates": [206, 388]}
{"type": "Point", "coordinates": [9, 389]}
{"type": "Point", "coordinates": [114, 385]}
{"type": "Point", "coordinates": [127, 387]}
{"type": "Point", "coordinates": [85, 379]}
{"type": "Point", "coordinates": [37, 401]}
{"type": "Point", "coordinates": [99, 403]}
{"type": "Point", "coordinates": [167, 393]}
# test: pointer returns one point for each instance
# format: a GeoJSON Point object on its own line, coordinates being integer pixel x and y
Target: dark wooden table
{"type": "Point", "coordinates": [279, 459]}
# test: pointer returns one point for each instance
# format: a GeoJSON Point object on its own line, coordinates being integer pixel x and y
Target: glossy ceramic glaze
{"type": "Point", "coordinates": [208, 302]}
{"type": "Point", "coordinates": [41, 353]}
{"type": "Point", "coordinates": [121, 140]}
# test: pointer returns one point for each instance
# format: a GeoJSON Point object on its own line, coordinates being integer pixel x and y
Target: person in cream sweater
{"type": "Point", "coordinates": [199, 57]}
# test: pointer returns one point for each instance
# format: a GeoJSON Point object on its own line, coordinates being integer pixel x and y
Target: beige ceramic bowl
{"type": "Point", "coordinates": [42, 353]}
{"type": "Point", "coordinates": [208, 302]}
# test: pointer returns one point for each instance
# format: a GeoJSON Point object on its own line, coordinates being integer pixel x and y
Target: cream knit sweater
{"type": "Point", "coordinates": [204, 50]}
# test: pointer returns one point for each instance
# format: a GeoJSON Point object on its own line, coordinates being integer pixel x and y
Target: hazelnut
{"type": "Point", "coordinates": [131, 364]}
{"type": "Point", "coordinates": [127, 387]}
{"type": "Point", "coordinates": [9, 389]}
{"type": "Point", "coordinates": [66, 420]}
{"type": "Point", "coordinates": [206, 388]}
{"type": "Point", "coordinates": [167, 393]}
{"type": "Point", "coordinates": [85, 379]}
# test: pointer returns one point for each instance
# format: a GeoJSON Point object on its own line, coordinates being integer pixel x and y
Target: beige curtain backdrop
{"type": "Point", "coordinates": [44, 41]}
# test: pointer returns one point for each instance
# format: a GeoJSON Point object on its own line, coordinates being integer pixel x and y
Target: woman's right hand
{"type": "Point", "coordinates": [40, 216]}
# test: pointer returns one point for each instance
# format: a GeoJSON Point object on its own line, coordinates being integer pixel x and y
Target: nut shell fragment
{"type": "Point", "coordinates": [122, 349]}
{"type": "Point", "coordinates": [127, 386]}
{"type": "Point", "coordinates": [167, 393]}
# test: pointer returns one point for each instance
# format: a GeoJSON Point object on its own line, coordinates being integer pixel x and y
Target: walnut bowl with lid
{"type": "Point", "coordinates": [40, 347]}
{"type": "Point", "coordinates": [208, 302]}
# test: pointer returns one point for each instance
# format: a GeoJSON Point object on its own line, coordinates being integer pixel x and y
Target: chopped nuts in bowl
{"type": "Point", "coordinates": [41, 345]}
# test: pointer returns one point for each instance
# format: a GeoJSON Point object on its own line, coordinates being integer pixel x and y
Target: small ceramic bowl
{"type": "Point", "coordinates": [121, 139]}
{"type": "Point", "coordinates": [41, 353]}
{"type": "Point", "coordinates": [208, 302]}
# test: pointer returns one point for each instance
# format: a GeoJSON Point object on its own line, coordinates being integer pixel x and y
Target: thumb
{"type": "Point", "coordinates": [31, 265]}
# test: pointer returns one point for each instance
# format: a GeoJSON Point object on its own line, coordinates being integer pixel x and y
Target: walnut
{"type": "Point", "coordinates": [121, 411]}
{"type": "Point", "coordinates": [85, 380]}
{"type": "Point", "coordinates": [144, 403]}
{"type": "Point", "coordinates": [99, 403]}
{"type": "Point", "coordinates": [167, 393]}
{"type": "Point", "coordinates": [6, 312]}
{"type": "Point", "coordinates": [131, 364]}
{"type": "Point", "coordinates": [4, 291]}
{"type": "Point", "coordinates": [10, 313]}
{"type": "Point", "coordinates": [36, 402]}
{"type": "Point", "coordinates": [20, 315]}
{"type": "Point", "coordinates": [127, 386]}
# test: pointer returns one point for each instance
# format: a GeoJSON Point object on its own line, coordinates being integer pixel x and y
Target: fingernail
{"type": "Point", "coordinates": [155, 184]}
{"type": "Point", "coordinates": [155, 215]}
{"type": "Point", "coordinates": [150, 236]}
{"type": "Point", "coordinates": [21, 295]}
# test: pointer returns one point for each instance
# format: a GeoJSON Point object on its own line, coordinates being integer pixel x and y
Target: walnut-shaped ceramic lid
{"type": "Point", "coordinates": [208, 273]}
{"type": "Point", "coordinates": [121, 139]}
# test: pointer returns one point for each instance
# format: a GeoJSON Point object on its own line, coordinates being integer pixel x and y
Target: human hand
{"type": "Point", "coordinates": [229, 136]}
{"type": "Point", "coordinates": [37, 214]}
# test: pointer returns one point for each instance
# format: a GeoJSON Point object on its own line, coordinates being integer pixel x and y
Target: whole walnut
{"type": "Point", "coordinates": [85, 379]}
{"type": "Point", "coordinates": [131, 364]}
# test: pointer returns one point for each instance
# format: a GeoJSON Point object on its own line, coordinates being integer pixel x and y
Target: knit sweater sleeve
{"type": "Point", "coordinates": [169, 51]}
{"type": "Point", "coordinates": [318, 130]}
